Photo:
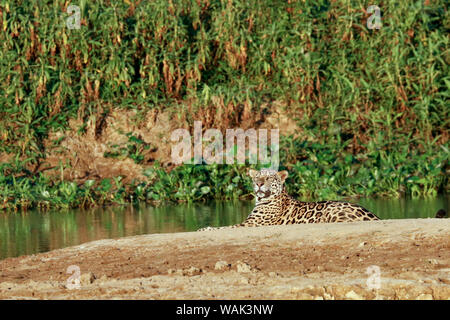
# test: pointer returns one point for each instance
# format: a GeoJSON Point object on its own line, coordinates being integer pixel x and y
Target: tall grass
{"type": "Point", "coordinates": [316, 171]}
{"type": "Point", "coordinates": [371, 94]}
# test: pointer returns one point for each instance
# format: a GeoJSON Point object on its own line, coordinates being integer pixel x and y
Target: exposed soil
{"type": "Point", "coordinates": [83, 152]}
{"type": "Point", "coordinates": [325, 261]}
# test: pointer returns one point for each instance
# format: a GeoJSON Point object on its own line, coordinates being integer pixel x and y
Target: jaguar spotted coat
{"type": "Point", "coordinates": [275, 207]}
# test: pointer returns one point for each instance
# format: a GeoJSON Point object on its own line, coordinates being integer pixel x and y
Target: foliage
{"type": "Point", "coordinates": [317, 172]}
{"type": "Point", "coordinates": [372, 105]}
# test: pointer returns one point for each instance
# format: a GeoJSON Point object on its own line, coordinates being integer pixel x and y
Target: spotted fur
{"type": "Point", "coordinates": [275, 207]}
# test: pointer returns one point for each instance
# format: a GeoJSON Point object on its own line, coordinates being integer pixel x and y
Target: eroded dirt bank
{"type": "Point", "coordinates": [327, 261]}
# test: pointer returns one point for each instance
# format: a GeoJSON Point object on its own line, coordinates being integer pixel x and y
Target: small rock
{"type": "Point", "coordinates": [243, 267]}
{"type": "Point", "coordinates": [353, 295]}
{"type": "Point", "coordinates": [362, 244]}
{"type": "Point", "coordinates": [433, 261]}
{"type": "Point", "coordinates": [171, 271]}
{"type": "Point", "coordinates": [273, 274]}
{"type": "Point", "coordinates": [222, 265]}
{"type": "Point", "coordinates": [192, 271]}
{"type": "Point", "coordinates": [87, 278]}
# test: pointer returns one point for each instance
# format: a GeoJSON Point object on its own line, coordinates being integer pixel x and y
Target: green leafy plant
{"type": "Point", "coordinates": [371, 106]}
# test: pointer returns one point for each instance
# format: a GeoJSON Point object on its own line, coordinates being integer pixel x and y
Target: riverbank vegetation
{"type": "Point", "coordinates": [371, 106]}
{"type": "Point", "coordinates": [316, 172]}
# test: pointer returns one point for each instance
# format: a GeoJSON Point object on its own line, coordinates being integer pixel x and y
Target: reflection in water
{"type": "Point", "coordinates": [405, 208]}
{"type": "Point", "coordinates": [32, 232]}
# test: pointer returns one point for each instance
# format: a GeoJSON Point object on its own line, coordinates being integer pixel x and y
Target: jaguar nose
{"type": "Point", "coordinates": [259, 184]}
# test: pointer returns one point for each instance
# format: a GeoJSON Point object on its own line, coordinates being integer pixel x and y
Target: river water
{"type": "Point", "coordinates": [32, 232]}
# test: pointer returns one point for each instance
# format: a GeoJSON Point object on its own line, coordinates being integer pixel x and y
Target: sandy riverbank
{"type": "Point", "coordinates": [326, 261]}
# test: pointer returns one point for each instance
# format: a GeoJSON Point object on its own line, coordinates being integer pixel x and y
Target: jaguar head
{"type": "Point", "coordinates": [267, 183]}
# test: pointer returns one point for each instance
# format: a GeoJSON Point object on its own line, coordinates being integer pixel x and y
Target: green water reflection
{"type": "Point", "coordinates": [32, 232]}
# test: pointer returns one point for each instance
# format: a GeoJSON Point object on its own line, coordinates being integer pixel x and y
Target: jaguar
{"type": "Point", "coordinates": [274, 206]}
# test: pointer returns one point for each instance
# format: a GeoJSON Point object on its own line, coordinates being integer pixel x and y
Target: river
{"type": "Point", "coordinates": [24, 233]}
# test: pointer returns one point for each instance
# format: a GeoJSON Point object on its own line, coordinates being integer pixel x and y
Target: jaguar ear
{"type": "Point", "coordinates": [283, 175]}
{"type": "Point", "coordinates": [252, 173]}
